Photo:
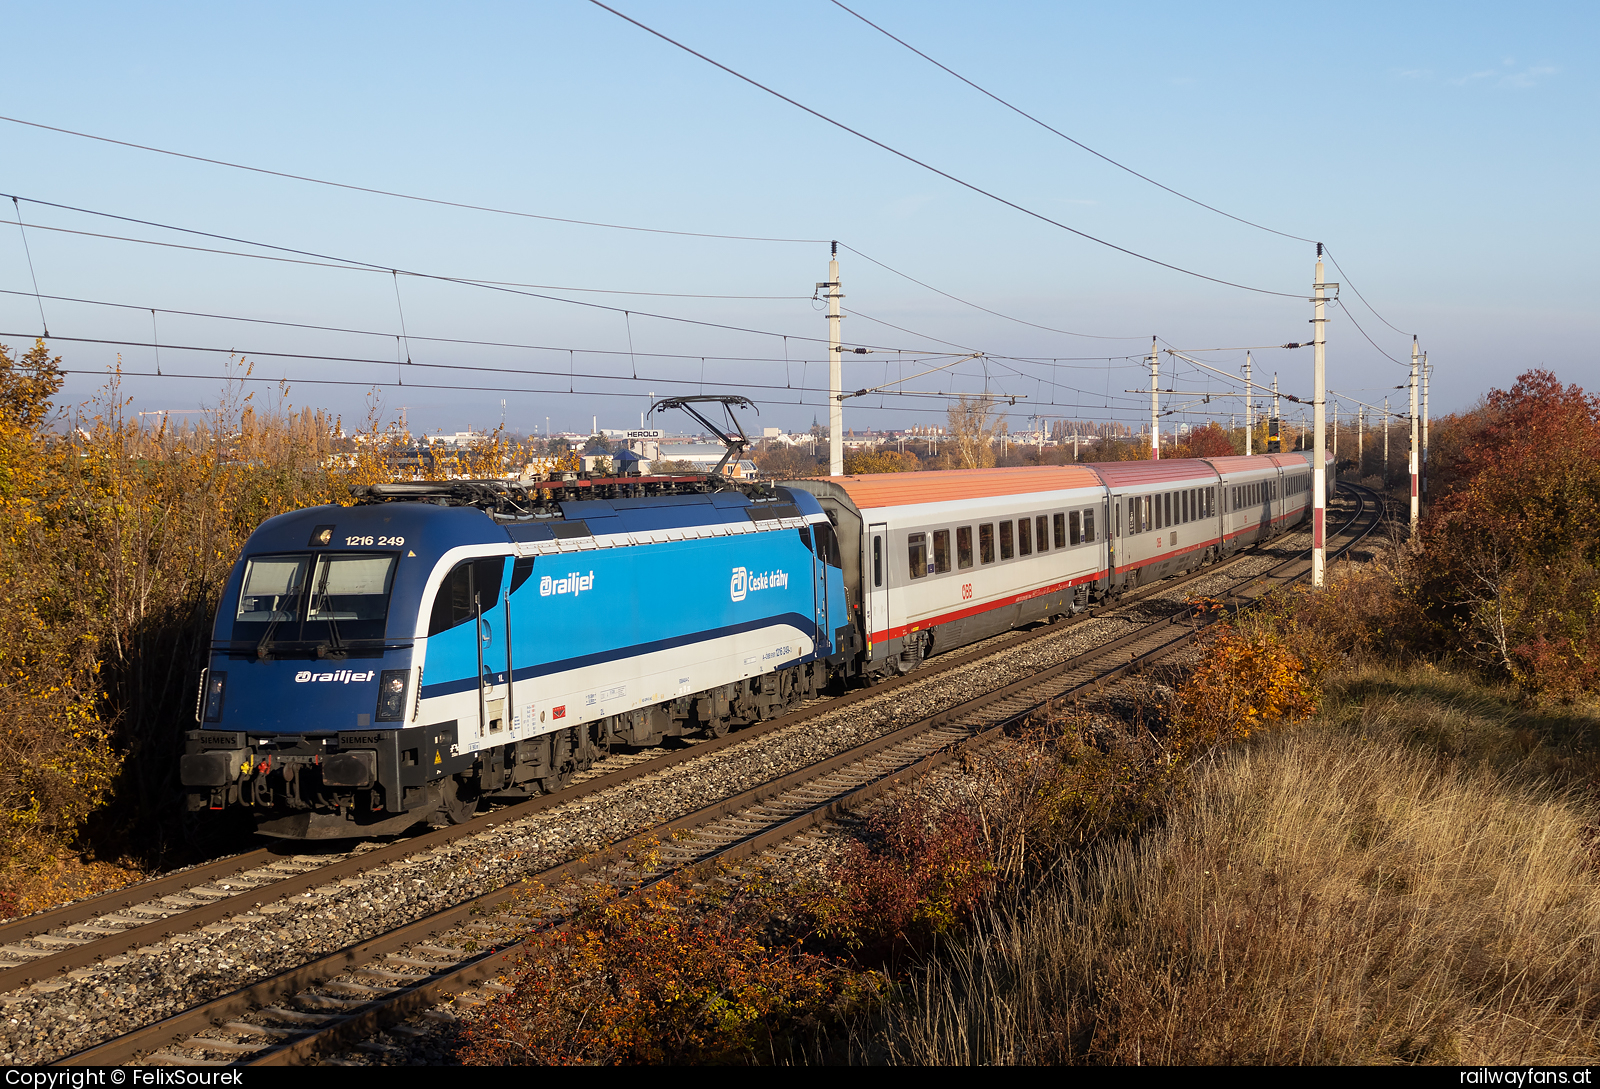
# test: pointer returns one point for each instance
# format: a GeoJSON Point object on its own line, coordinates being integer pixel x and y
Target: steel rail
{"type": "Point", "coordinates": [366, 1019]}
{"type": "Point", "coordinates": [382, 1012]}
{"type": "Point", "coordinates": [229, 902]}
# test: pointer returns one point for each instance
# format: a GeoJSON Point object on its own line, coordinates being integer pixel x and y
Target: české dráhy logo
{"type": "Point", "coordinates": [745, 583]}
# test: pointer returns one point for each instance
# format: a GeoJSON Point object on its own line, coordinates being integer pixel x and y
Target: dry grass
{"type": "Point", "coordinates": [1398, 880]}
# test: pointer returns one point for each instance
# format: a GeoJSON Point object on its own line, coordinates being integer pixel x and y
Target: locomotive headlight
{"type": "Point", "coordinates": [215, 684]}
{"type": "Point", "coordinates": [392, 687]}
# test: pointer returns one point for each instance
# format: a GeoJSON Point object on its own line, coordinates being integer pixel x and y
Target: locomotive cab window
{"type": "Point", "coordinates": [351, 587]}
{"type": "Point", "coordinates": [964, 547]}
{"type": "Point", "coordinates": [334, 597]}
{"type": "Point", "coordinates": [272, 587]}
{"type": "Point", "coordinates": [917, 555]}
{"type": "Point", "coordinates": [470, 585]}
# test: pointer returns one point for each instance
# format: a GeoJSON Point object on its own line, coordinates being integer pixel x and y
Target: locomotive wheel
{"type": "Point", "coordinates": [457, 806]}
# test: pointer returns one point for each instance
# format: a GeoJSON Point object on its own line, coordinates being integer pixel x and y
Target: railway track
{"type": "Point", "coordinates": [338, 1000]}
{"type": "Point", "coordinates": [48, 945]}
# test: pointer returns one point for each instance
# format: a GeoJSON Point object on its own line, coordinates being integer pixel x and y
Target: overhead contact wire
{"type": "Point", "coordinates": [1076, 143]}
{"type": "Point", "coordinates": [933, 169]}
{"type": "Point", "coordinates": [402, 196]}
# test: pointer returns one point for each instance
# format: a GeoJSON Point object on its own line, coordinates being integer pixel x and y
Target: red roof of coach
{"type": "Point", "coordinates": [1240, 464]}
{"type": "Point", "coordinates": [1133, 474]}
{"type": "Point", "coordinates": [905, 489]}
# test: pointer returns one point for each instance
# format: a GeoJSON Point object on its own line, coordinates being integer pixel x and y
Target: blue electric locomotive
{"type": "Point", "coordinates": [391, 662]}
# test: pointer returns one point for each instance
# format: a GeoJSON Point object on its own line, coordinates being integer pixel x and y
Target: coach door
{"type": "Point", "coordinates": [1115, 542]}
{"type": "Point", "coordinates": [875, 576]}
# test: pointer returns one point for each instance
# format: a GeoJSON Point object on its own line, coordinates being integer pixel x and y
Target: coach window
{"type": "Point", "coordinates": [941, 551]}
{"type": "Point", "coordinates": [1041, 530]}
{"type": "Point", "coordinates": [1060, 521]}
{"type": "Point", "coordinates": [1183, 506]}
{"type": "Point", "coordinates": [877, 560]}
{"type": "Point", "coordinates": [964, 547]}
{"type": "Point", "coordinates": [1077, 528]}
{"type": "Point", "coordinates": [1088, 526]}
{"type": "Point", "coordinates": [986, 543]}
{"type": "Point", "coordinates": [1133, 503]}
{"type": "Point", "coordinates": [1024, 536]}
{"type": "Point", "coordinates": [1145, 522]}
{"type": "Point", "coordinates": [917, 554]}
{"type": "Point", "coordinates": [1169, 509]}
{"type": "Point", "coordinates": [1007, 541]}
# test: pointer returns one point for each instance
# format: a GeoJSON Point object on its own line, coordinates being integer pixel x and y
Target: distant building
{"type": "Point", "coordinates": [704, 457]}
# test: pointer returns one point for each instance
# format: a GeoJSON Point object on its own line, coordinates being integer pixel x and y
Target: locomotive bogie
{"type": "Point", "coordinates": [394, 662]}
{"type": "Point", "coordinates": [524, 656]}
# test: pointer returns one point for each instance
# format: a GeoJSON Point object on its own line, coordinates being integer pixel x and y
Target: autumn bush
{"type": "Point", "coordinates": [915, 876]}
{"type": "Point", "coordinates": [1397, 879]}
{"type": "Point", "coordinates": [880, 461]}
{"type": "Point", "coordinates": [117, 541]}
{"type": "Point", "coordinates": [1210, 441]}
{"type": "Point", "coordinates": [1510, 552]}
{"type": "Point", "coordinates": [673, 974]}
{"type": "Point", "coordinates": [1249, 679]}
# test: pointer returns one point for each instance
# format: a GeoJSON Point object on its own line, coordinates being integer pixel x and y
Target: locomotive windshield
{"type": "Point", "coordinates": [300, 601]}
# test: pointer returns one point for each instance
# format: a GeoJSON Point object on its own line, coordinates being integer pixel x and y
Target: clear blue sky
{"type": "Point", "coordinates": [1446, 153]}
